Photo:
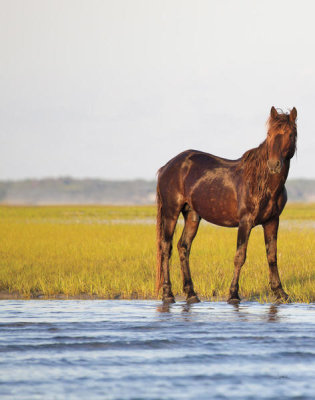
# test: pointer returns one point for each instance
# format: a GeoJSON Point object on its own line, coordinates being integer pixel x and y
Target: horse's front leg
{"type": "Point", "coordinates": [271, 233]}
{"type": "Point", "coordinates": [243, 233]}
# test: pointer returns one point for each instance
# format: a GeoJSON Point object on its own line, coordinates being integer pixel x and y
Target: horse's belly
{"type": "Point", "coordinates": [216, 205]}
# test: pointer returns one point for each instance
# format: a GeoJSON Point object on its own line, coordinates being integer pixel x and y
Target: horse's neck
{"type": "Point", "coordinates": [276, 182]}
{"type": "Point", "coordinates": [254, 167]}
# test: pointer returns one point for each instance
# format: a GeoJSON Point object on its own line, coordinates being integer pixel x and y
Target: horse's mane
{"type": "Point", "coordinates": [255, 172]}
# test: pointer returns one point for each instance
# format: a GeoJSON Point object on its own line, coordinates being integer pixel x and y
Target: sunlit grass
{"type": "Point", "coordinates": [110, 252]}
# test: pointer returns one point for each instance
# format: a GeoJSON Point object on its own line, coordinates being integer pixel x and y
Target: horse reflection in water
{"type": "Point", "coordinates": [239, 193]}
{"type": "Point", "coordinates": [243, 312]}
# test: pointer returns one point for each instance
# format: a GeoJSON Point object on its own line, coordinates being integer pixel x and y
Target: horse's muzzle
{"type": "Point", "coordinates": [274, 166]}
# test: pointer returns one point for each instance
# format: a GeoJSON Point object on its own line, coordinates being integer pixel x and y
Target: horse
{"type": "Point", "coordinates": [240, 193]}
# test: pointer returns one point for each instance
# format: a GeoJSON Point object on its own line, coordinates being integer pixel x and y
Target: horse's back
{"type": "Point", "coordinates": [189, 158]}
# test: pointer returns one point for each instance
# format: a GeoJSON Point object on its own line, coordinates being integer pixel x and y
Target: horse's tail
{"type": "Point", "coordinates": [159, 227]}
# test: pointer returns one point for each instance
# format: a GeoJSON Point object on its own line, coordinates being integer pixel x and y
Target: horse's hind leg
{"type": "Point", "coordinates": [192, 220]}
{"type": "Point", "coordinates": [168, 229]}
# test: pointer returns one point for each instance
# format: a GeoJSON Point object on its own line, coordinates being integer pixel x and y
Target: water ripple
{"type": "Point", "coordinates": [141, 350]}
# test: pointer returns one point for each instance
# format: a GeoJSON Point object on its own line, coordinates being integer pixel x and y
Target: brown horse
{"type": "Point", "coordinates": [239, 193]}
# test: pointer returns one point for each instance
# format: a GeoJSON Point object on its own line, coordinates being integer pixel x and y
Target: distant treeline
{"type": "Point", "coordinates": [97, 191]}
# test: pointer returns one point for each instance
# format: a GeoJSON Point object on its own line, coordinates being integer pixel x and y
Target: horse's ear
{"type": "Point", "coordinates": [293, 114]}
{"type": "Point", "coordinates": [273, 112]}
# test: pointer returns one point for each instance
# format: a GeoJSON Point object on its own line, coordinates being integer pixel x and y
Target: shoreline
{"type": "Point", "coordinates": [6, 295]}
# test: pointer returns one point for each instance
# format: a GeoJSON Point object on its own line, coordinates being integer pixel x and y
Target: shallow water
{"type": "Point", "coordinates": [140, 350]}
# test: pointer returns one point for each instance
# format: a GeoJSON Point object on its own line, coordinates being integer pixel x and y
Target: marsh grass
{"type": "Point", "coordinates": [109, 252]}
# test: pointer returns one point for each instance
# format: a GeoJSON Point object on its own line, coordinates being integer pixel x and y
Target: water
{"type": "Point", "coordinates": [140, 350]}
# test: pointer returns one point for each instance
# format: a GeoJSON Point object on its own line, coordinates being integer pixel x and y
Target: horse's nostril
{"type": "Point", "coordinates": [278, 163]}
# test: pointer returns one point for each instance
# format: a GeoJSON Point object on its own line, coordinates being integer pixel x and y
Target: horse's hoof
{"type": "Point", "coordinates": [283, 300]}
{"type": "Point", "coordinates": [234, 301]}
{"type": "Point", "coordinates": [282, 297]}
{"type": "Point", "coordinates": [193, 299]}
{"type": "Point", "coordinates": [168, 300]}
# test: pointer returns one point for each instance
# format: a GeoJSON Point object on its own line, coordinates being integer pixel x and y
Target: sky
{"type": "Point", "coordinates": [114, 89]}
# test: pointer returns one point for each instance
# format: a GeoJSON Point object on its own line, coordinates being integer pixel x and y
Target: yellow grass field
{"type": "Point", "coordinates": [109, 252]}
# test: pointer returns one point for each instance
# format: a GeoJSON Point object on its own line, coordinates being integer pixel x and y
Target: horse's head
{"type": "Point", "coordinates": [281, 139]}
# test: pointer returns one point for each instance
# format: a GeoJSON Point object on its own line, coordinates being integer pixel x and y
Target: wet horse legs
{"type": "Point", "coordinates": [270, 233]}
{"type": "Point", "coordinates": [169, 225]}
{"type": "Point", "coordinates": [192, 220]}
{"type": "Point", "coordinates": [243, 233]}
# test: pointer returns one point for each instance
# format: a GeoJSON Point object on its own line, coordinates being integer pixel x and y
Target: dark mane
{"type": "Point", "coordinates": [254, 159]}
{"type": "Point", "coordinates": [254, 166]}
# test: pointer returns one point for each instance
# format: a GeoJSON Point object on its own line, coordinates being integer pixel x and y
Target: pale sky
{"type": "Point", "coordinates": [114, 89]}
